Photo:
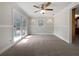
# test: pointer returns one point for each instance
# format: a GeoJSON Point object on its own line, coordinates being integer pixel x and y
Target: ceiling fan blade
{"type": "Point", "coordinates": [49, 9]}
{"type": "Point", "coordinates": [42, 7]}
{"type": "Point", "coordinates": [36, 11]}
{"type": "Point", "coordinates": [48, 3]}
{"type": "Point", "coordinates": [36, 6]}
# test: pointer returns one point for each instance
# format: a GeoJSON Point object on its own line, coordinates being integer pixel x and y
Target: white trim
{"type": "Point", "coordinates": [41, 34]}
{"type": "Point", "coordinates": [61, 37]}
{"type": "Point", "coordinates": [6, 48]}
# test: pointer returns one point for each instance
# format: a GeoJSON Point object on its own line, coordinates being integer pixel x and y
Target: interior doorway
{"type": "Point", "coordinates": [75, 25]}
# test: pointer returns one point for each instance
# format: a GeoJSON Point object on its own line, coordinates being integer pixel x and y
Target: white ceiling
{"type": "Point", "coordinates": [29, 9]}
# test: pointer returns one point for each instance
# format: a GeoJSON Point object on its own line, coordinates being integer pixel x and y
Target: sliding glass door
{"type": "Point", "coordinates": [19, 26]}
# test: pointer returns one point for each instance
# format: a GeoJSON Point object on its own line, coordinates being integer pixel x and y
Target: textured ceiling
{"type": "Point", "coordinates": [29, 9]}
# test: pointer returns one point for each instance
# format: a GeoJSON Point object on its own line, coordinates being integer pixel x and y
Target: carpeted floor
{"type": "Point", "coordinates": [77, 40]}
{"type": "Point", "coordinates": [42, 45]}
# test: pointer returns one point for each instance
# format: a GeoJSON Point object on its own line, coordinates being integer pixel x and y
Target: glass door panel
{"type": "Point", "coordinates": [17, 26]}
{"type": "Point", "coordinates": [23, 27]}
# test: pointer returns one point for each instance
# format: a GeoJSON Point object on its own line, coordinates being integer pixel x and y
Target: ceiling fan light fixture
{"type": "Point", "coordinates": [42, 11]}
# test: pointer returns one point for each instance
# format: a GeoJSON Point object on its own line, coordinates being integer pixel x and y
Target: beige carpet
{"type": "Point", "coordinates": [42, 45]}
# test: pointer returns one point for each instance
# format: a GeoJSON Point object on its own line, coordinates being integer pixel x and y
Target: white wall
{"type": "Point", "coordinates": [63, 23]}
{"type": "Point", "coordinates": [6, 24]}
{"type": "Point", "coordinates": [46, 28]}
{"type": "Point", "coordinates": [5, 27]}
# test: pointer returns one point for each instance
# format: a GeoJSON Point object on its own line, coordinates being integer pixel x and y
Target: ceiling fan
{"type": "Point", "coordinates": [43, 8]}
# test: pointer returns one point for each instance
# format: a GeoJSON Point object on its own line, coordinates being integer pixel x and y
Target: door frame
{"type": "Point", "coordinates": [73, 26]}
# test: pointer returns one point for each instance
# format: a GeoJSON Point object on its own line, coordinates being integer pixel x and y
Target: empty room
{"type": "Point", "coordinates": [39, 28]}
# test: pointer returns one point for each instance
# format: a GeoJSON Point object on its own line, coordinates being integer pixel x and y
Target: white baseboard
{"type": "Point", "coordinates": [6, 48]}
{"type": "Point", "coordinates": [61, 37]}
{"type": "Point", "coordinates": [41, 34]}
